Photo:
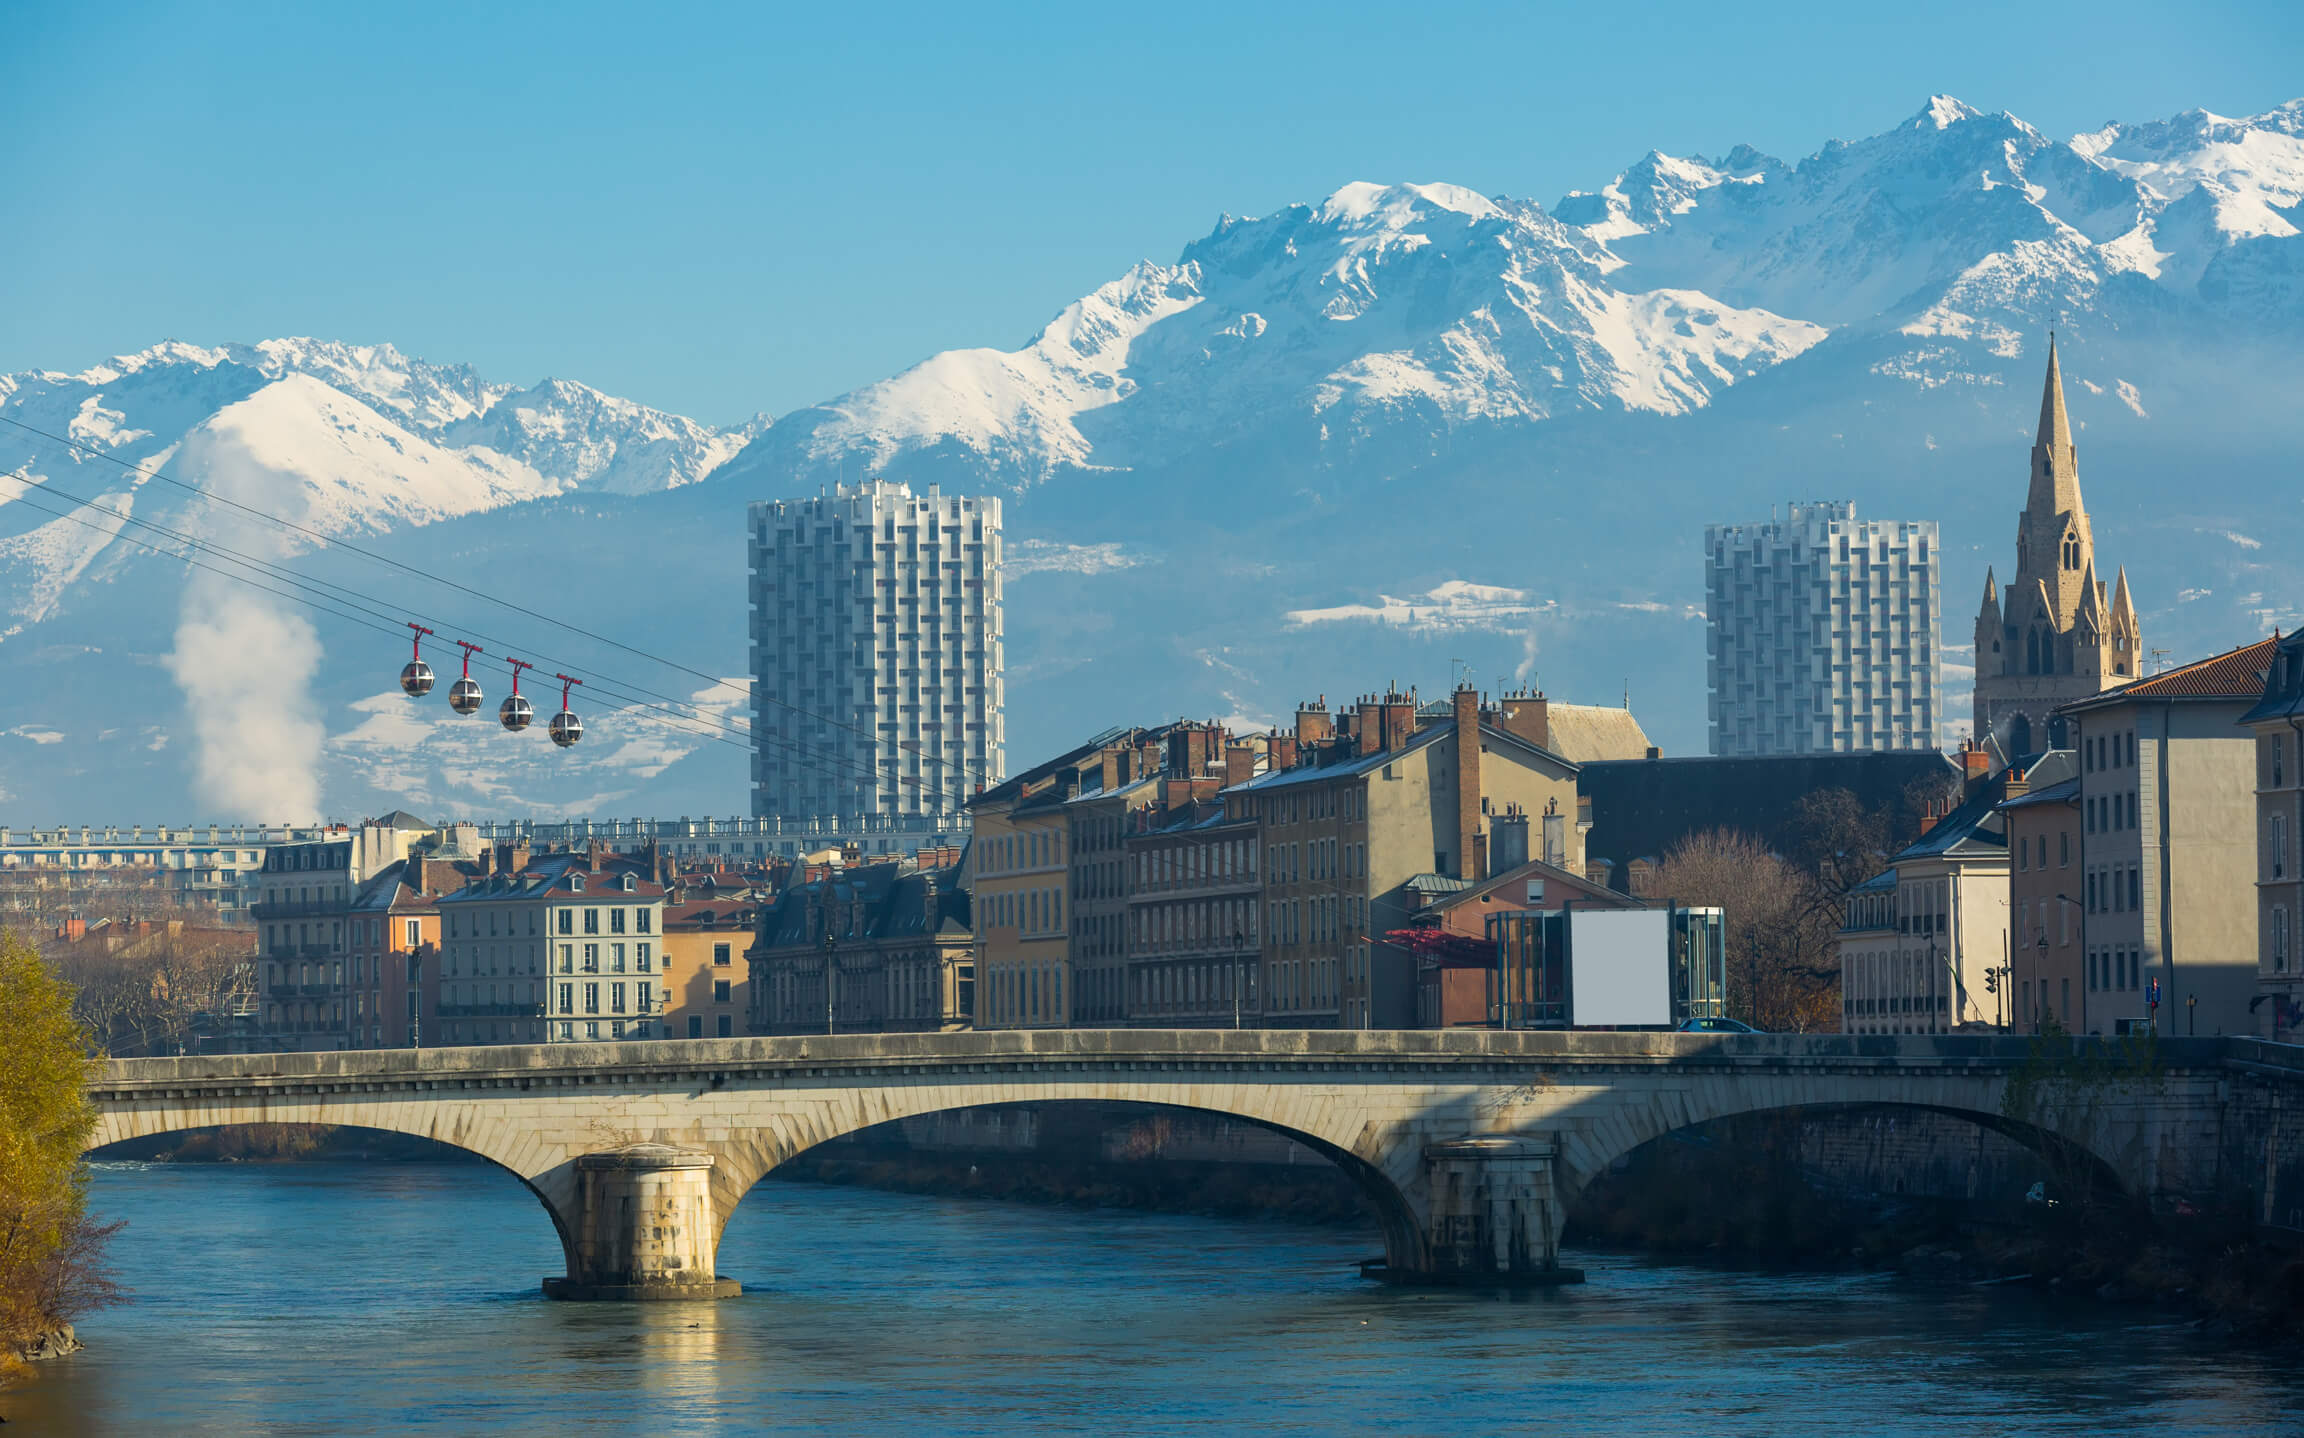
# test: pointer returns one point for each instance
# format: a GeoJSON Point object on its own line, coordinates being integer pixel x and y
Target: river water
{"type": "Point", "coordinates": [353, 1298]}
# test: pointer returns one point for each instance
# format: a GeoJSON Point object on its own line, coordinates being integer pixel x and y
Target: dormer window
{"type": "Point", "coordinates": [575, 883]}
{"type": "Point", "coordinates": [628, 884]}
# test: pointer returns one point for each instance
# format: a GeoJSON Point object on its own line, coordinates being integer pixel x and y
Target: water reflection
{"type": "Point", "coordinates": [330, 1298]}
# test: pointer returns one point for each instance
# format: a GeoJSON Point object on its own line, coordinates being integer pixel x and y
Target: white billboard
{"type": "Point", "coordinates": [1620, 968]}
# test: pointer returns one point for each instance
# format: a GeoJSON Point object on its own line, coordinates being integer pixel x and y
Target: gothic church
{"type": "Point", "coordinates": [2051, 637]}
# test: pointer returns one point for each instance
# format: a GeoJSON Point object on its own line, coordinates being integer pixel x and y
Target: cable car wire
{"type": "Point", "coordinates": [612, 689]}
{"type": "Point", "coordinates": [966, 772]}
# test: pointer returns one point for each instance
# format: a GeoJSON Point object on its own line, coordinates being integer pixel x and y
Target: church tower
{"type": "Point", "coordinates": [2052, 635]}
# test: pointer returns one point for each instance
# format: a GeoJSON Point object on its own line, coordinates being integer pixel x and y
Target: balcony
{"type": "Point", "coordinates": [490, 1011]}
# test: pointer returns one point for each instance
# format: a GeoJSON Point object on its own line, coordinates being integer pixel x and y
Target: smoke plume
{"type": "Point", "coordinates": [245, 661]}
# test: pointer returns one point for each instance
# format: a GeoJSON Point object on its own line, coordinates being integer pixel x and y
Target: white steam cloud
{"type": "Point", "coordinates": [245, 661]}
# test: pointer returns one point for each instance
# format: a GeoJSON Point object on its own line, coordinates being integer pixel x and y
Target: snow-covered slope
{"type": "Point", "coordinates": [1382, 434]}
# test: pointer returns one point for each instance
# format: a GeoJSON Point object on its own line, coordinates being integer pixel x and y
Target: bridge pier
{"type": "Point", "coordinates": [643, 1227]}
{"type": "Point", "coordinates": [1494, 1214]}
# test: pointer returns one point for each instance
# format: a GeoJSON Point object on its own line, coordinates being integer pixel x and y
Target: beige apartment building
{"type": "Point", "coordinates": [2169, 849]}
{"type": "Point", "coordinates": [1925, 945]}
{"type": "Point", "coordinates": [1354, 819]}
{"type": "Point", "coordinates": [1021, 857]}
{"type": "Point", "coordinates": [2276, 723]}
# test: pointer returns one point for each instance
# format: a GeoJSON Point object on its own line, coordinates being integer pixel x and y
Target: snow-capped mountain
{"type": "Point", "coordinates": [1294, 459]}
{"type": "Point", "coordinates": [1435, 306]}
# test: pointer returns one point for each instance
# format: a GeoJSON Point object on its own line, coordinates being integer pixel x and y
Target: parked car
{"type": "Point", "coordinates": [1718, 1026]}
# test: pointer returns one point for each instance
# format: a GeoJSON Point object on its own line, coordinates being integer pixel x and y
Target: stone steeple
{"type": "Point", "coordinates": [2051, 636]}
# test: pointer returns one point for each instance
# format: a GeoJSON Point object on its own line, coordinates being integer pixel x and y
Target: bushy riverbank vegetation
{"type": "Point", "coordinates": [52, 1268]}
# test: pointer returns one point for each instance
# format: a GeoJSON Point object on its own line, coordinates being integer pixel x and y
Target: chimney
{"type": "Point", "coordinates": [1468, 837]}
{"type": "Point", "coordinates": [1314, 725]}
{"type": "Point", "coordinates": [1399, 719]}
{"type": "Point", "coordinates": [1509, 838]}
{"type": "Point", "coordinates": [1283, 752]}
{"type": "Point", "coordinates": [1367, 728]}
{"type": "Point", "coordinates": [1115, 760]}
{"type": "Point", "coordinates": [1239, 765]}
{"type": "Point", "coordinates": [1975, 764]}
{"type": "Point", "coordinates": [1529, 717]}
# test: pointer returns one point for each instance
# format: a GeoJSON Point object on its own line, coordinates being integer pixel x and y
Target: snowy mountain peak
{"type": "Point", "coordinates": [1394, 206]}
{"type": "Point", "coordinates": [1942, 112]}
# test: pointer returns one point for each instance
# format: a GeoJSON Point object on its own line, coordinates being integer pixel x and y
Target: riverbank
{"type": "Point", "coordinates": [282, 1143]}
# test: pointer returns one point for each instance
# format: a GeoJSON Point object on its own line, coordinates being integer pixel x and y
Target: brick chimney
{"type": "Point", "coordinates": [1470, 846]}
{"type": "Point", "coordinates": [1367, 727]}
{"type": "Point", "coordinates": [1283, 752]}
{"type": "Point", "coordinates": [1399, 718]}
{"type": "Point", "coordinates": [1314, 725]}
{"type": "Point", "coordinates": [1975, 764]}
{"type": "Point", "coordinates": [1115, 761]}
{"type": "Point", "coordinates": [1239, 765]}
{"type": "Point", "coordinates": [1526, 716]}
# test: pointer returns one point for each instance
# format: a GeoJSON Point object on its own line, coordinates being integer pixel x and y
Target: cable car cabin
{"type": "Point", "coordinates": [1607, 968]}
{"type": "Point", "coordinates": [464, 695]}
{"type": "Point", "coordinates": [566, 728]}
{"type": "Point", "coordinates": [416, 679]}
{"type": "Point", "coordinates": [516, 712]}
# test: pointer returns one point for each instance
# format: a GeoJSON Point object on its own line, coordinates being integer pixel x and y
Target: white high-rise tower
{"type": "Point", "coordinates": [876, 661]}
{"type": "Point", "coordinates": [1823, 633]}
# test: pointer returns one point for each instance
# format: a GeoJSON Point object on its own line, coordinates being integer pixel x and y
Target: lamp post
{"type": "Point", "coordinates": [829, 947]}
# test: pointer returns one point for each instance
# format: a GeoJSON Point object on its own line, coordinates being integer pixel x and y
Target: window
{"type": "Point", "coordinates": [643, 958]}
{"type": "Point", "coordinates": [2279, 846]}
{"type": "Point", "coordinates": [591, 998]}
{"type": "Point", "coordinates": [695, 1026]}
{"type": "Point", "coordinates": [591, 921]}
{"type": "Point", "coordinates": [2279, 940]}
{"type": "Point", "coordinates": [615, 921]}
{"type": "Point", "coordinates": [720, 991]}
{"type": "Point", "coordinates": [415, 933]}
{"type": "Point", "coordinates": [567, 921]}
{"type": "Point", "coordinates": [567, 998]}
{"type": "Point", "coordinates": [591, 958]}
{"type": "Point", "coordinates": [643, 921]}
{"type": "Point", "coordinates": [720, 955]}
{"type": "Point", "coordinates": [616, 998]}
{"type": "Point", "coordinates": [725, 1026]}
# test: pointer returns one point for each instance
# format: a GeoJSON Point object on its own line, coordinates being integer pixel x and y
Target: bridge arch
{"type": "Point", "coordinates": [1397, 1217]}
{"type": "Point", "coordinates": [484, 1136]}
{"type": "Point", "coordinates": [1588, 1154]}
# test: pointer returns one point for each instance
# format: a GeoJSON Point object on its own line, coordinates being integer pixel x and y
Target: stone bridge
{"type": "Point", "coordinates": [1471, 1143]}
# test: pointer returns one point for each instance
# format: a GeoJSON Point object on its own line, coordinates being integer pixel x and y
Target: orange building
{"type": "Point", "coordinates": [706, 977]}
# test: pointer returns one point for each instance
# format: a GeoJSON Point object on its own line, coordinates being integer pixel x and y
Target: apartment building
{"type": "Point", "coordinates": [1194, 920]}
{"type": "Point", "coordinates": [2050, 923]}
{"type": "Point", "coordinates": [2170, 849]}
{"type": "Point", "coordinates": [882, 947]}
{"type": "Point", "coordinates": [1822, 633]}
{"type": "Point", "coordinates": [707, 979]}
{"type": "Point", "coordinates": [1347, 822]}
{"type": "Point", "coordinates": [112, 872]}
{"type": "Point", "coordinates": [555, 953]}
{"type": "Point", "coordinates": [2276, 722]}
{"type": "Point", "coordinates": [876, 661]}
{"type": "Point", "coordinates": [1924, 946]}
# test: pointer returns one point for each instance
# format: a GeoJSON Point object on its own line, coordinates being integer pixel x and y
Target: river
{"type": "Point", "coordinates": [324, 1298]}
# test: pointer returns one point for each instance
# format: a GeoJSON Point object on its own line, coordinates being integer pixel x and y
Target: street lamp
{"type": "Point", "coordinates": [829, 947]}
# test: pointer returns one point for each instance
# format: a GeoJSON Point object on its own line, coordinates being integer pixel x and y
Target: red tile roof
{"type": "Point", "coordinates": [2236, 674]}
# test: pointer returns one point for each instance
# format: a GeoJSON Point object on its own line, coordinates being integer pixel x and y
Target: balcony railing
{"type": "Point", "coordinates": [491, 1011]}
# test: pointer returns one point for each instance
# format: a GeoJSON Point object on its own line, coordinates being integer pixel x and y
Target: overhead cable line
{"type": "Point", "coordinates": [356, 599]}
{"type": "Point", "coordinates": [402, 565]}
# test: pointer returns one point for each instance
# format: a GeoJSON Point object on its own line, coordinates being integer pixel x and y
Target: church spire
{"type": "Point", "coordinates": [2054, 520]}
{"type": "Point", "coordinates": [2055, 424]}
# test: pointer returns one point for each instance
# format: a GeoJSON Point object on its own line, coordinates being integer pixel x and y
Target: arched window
{"type": "Point", "coordinates": [2019, 736]}
{"type": "Point", "coordinates": [2031, 651]}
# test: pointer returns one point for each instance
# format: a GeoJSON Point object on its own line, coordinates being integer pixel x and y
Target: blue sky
{"type": "Point", "coordinates": [720, 210]}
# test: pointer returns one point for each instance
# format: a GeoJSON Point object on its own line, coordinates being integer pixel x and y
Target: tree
{"type": "Point", "coordinates": [51, 1253]}
{"type": "Point", "coordinates": [1782, 923]}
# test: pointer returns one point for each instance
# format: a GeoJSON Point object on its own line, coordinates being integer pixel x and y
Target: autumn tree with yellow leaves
{"type": "Point", "coordinates": [51, 1253]}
